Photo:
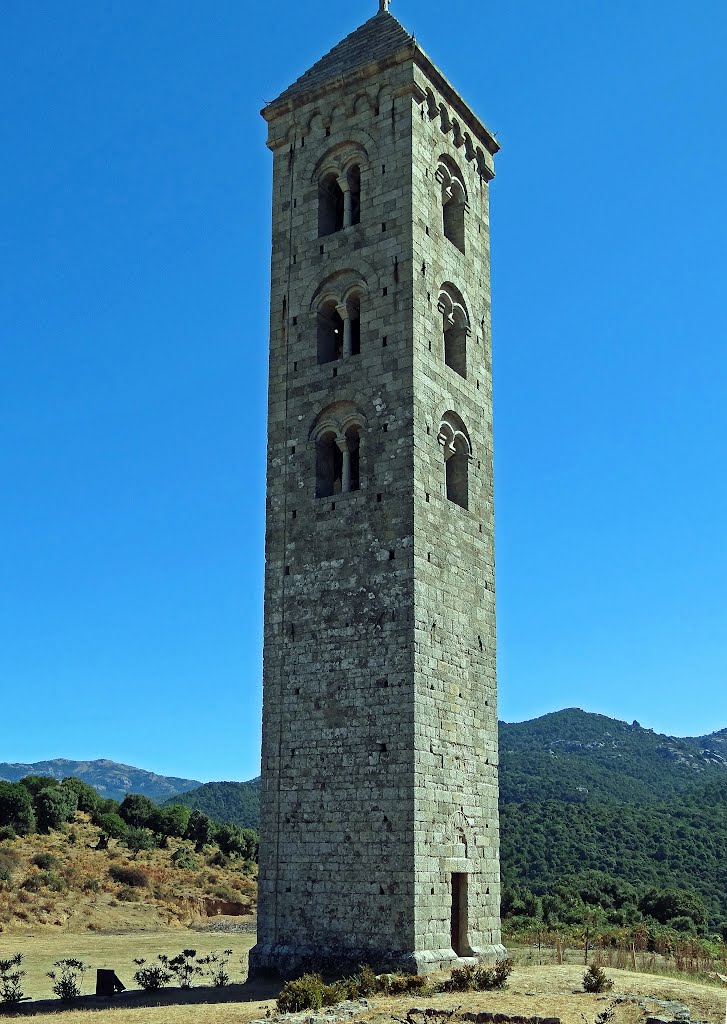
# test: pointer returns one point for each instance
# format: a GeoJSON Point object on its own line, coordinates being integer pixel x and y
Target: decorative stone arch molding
{"type": "Point", "coordinates": [336, 435]}
{"type": "Point", "coordinates": [338, 174]}
{"type": "Point", "coordinates": [455, 201]}
{"type": "Point", "coordinates": [455, 327]}
{"type": "Point", "coordinates": [461, 139]}
{"type": "Point", "coordinates": [454, 439]}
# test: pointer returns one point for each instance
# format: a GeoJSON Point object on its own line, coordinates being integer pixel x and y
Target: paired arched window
{"type": "Point", "coordinates": [337, 305]}
{"type": "Point", "coordinates": [337, 438]}
{"type": "Point", "coordinates": [457, 450]}
{"type": "Point", "coordinates": [455, 327]}
{"type": "Point", "coordinates": [454, 201]}
{"type": "Point", "coordinates": [339, 191]}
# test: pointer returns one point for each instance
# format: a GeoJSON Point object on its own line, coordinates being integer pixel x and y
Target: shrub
{"type": "Point", "coordinates": [52, 880]}
{"type": "Point", "coordinates": [11, 978]}
{"type": "Point", "coordinates": [184, 858]}
{"type": "Point", "coordinates": [128, 895]}
{"type": "Point", "coordinates": [184, 966]}
{"type": "Point", "coordinates": [7, 833]}
{"type": "Point", "coordinates": [479, 977]}
{"type": "Point", "coordinates": [46, 861]}
{"type": "Point", "coordinates": [366, 981]}
{"type": "Point", "coordinates": [487, 978]}
{"type": "Point", "coordinates": [132, 876]}
{"type": "Point", "coordinates": [595, 980]}
{"type": "Point", "coordinates": [397, 984]}
{"type": "Point", "coordinates": [67, 980]}
{"type": "Point", "coordinates": [304, 993]}
{"type": "Point", "coordinates": [151, 977]}
{"type": "Point", "coordinates": [216, 964]}
{"type": "Point", "coordinates": [9, 863]}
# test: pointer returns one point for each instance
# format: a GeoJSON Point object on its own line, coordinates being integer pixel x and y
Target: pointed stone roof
{"type": "Point", "coordinates": [377, 39]}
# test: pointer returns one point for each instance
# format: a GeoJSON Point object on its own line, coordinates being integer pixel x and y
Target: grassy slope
{"type": "Point", "coordinates": [79, 893]}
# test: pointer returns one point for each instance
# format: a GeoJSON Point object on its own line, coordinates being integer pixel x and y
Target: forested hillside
{"type": "Point", "coordinates": [236, 802]}
{"type": "Point", "coordinates": [576, 757]}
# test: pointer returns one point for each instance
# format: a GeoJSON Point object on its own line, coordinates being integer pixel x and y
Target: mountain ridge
{"type": "Point", "coordinates": [110, 778]}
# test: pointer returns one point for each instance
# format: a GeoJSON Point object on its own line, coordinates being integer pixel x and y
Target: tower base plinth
{"type": "Point", "coordinates": [280, 961]}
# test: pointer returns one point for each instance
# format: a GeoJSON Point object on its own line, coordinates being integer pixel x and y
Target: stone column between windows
{"type": "Point", "coordinates": [342, 311]}
{"type": "Point", "coordinates": [346, 469]}
{"type": "Point", "coordinates": [347, 201]}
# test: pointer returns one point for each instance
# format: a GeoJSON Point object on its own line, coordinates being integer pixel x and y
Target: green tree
{"type": "Point", "coordinates": [200, 829]}
{"type": "Point", "coordinates": [138, 839]}
{"type": "Point", "coordinates": [36, 783]}
{"type": "Point", "coordinates": [171, 821]}
{"type": "Point", "coordinates": [112, 824]}
{"type": "Point", "coordinates": [87, 798]}
{"type": "Point", "coordinates": [137, 811]}
{"type": "Point", "coordinates": [54, 807]}
{"type": "Point", "coordinates": [16, 808]}
{"type": "Point", "coordinates": [235, 841]}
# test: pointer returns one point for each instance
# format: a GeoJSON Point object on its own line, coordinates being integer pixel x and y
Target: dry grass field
{"type": "Point", "coordinates": [532, 990]}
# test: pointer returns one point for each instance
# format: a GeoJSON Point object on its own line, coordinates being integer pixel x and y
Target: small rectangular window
{"type": "Point", "coordinates": [295, 318]}
{"type": "Point", "coordinates": [383, 227]}
{"type": "Point", "coordinates": [287, 570]}
{"type": "Point", "coordinates": [322, 249]}
{"type": "Point", "coordinates": [384, 341]}
{"type": "Point", "coordinates": [378, 497]}
{"type": "Point", "coordinates": [386, 291]}
{"type": "Point", "coordinates": [294, 514]}
{"type": "Point", "coordinates": [392, 554]}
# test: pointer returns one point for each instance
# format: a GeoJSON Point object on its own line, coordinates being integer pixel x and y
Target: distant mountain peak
{"type": "Point", "coordinates": [110, 778]}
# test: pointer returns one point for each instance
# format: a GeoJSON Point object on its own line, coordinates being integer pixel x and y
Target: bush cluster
{"type": "Point", "coordinates": [596, 980]}
{"type": "Point", "coordinates": [310, 992]}
{"type": "Point", "coordinates": [478, 977]}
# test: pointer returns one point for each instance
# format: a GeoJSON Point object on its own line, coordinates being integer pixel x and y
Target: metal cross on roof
{"type": "Point", "coordinates": [384, 5]}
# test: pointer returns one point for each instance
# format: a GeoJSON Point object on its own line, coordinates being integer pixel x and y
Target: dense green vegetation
{"type": "Point", "coordinates": [578, 757]}
{"type": "Point", "coordinates": [41, 804]}
{"type": "Point", "coordinates": [237, 802]}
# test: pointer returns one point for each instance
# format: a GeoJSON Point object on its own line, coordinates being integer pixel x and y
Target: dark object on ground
{"type": "Point", "coordinates": [107, 984]}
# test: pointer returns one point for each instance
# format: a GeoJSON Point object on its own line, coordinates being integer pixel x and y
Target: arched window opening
{"type": "Point", "coordinates": [330, 333]}
{"type": "Point", "coordinates": [330, 205]}
{"type": "Point", "coordinates": [337, 436]}
{"type": "Point", "coordinates": [354, 315]}
{"type": "Point", "coordinates": [454, 201]}
{"type": "Point", "coordinates": [453, 211]}
{"type": "Point", "coordinates": [455, 348]}
{"type": "Point", "coordinates": [329, 466]}
{"type": "Point", "coordinates": [457, 450]}
{"type": "Point", "coordinates": [354, 188]}
{"type": "Point", "coordinates": [455, 328]}
{"type": "Point", "coordinates": [457, 472]}
{"type": "Point", "coordinates": [353, 445]}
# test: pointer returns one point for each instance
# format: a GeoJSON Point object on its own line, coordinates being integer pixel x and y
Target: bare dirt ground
{"type": "Point", "coordinates": [532, 990]}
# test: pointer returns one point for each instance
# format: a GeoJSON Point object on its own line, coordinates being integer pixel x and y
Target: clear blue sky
{"type": "Point", "coordinates": [134, 234]}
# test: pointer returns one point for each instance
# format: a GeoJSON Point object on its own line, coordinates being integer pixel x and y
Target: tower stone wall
{"type": "Point", "coordinates": [379, 834]}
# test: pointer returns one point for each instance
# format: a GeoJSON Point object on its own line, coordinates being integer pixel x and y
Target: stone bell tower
{"type": "Point", "coordinates": [379, 838]}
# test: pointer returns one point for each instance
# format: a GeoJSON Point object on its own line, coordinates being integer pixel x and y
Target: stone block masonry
{"type": "Point", "coordinates": [379, 838]}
